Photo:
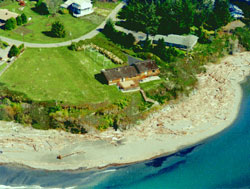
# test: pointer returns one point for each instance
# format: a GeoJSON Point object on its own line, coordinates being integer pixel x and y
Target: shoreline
{"type": "Point", "coordinates": [174, 128]}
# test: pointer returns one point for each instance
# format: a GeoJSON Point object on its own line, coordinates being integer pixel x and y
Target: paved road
{"type": "Point", "coordinates": [89, 35]}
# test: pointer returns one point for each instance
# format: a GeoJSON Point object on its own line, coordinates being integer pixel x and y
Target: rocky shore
{"type": "Point", "coordinates": [211, 108]}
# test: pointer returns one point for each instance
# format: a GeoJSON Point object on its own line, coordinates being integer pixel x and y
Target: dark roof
{"type": "Point", "coordinates": [121, 72]}
{"type": "Point", "coordinates": [129, 71]}
{"type": "Point", "coordinates": [145, 66]}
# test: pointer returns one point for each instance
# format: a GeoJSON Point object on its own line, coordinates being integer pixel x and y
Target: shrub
{"type": "Point", "coordinates": [21, 48]}
{"type": "Point", "coordinates": [244, 36]}
{"type": "Point", "coordinates": [10, 24]}
{"type": "Point", "coordinates": [58, 30]}
{"type": "Point", "coordinates": [14, 51]}
{"type": "Point", "coordinates": [73, 46]}
{"type": "Point", "coordinates": [24, 18]}
{"type": "Point", "coordinates": [63, 11]}
{"type": "Point", "coordinates": [3, 44]}
{"type": "Point", "coordinates": [19, 20]}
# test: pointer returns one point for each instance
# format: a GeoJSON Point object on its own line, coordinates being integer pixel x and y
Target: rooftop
{"type": "Point", "coordinates": [233, 25]}
{"type": "Point", "coordinates": [81, 3]}
{"type": "Point", "coordinates": [187, 41]}
{"type": "Point", "coordinates": [129, 71]}
{"type": "Point", "coordinates": [145, 66]}
{"type": "Point", "coordinates": [121, 72]}
{"type": "Point", "coordinates": [5, 14]}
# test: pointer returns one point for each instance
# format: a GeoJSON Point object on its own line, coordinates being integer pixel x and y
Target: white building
{"type": "Point", "coordinates": [79, 7]}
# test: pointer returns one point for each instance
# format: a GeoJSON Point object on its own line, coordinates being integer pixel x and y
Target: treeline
{"type": "Point", "coordinates": [170, 16]}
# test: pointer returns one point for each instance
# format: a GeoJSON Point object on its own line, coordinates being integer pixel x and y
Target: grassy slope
{"type": "Point", "coordinates": [59, 74]}
{"type": "Point", "coordinates": [42, 23]}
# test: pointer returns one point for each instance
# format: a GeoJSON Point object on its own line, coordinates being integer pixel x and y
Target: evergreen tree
{"type": "Point", "coordinates": [14, 51]}
{"type": "Point", "coordinates": [221, 13]}
{"type": "Point", "coordinates": [58, 30]}
{"type": "Point", "coordinates": [19, 20]}
{"type": "Point", "coordinates": [10, 24]}
{"type": "Point", "coordinates": [24, 18]}
{"type": "Point", "coordinates": [150, 20]}
{"type": "Point", "coordinates": [109, 27]}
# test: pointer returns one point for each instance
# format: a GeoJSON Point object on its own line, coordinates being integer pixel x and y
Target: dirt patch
{"type": "Point", "coordinates": [23, 30]}
{"type": "Point", "coordinates": [93, 18]}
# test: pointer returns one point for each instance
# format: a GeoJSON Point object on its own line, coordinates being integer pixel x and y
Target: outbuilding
{"type": "Point", "coordinates": [180, 41]}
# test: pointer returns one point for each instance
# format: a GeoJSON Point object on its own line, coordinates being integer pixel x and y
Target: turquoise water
{"type": "Point", "coordinates": [221, 162]}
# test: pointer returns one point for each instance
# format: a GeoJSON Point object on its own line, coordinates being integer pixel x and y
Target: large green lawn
{"type": "Point", "coordinates": [60, 74]}
{"type": "Point", "coordinates": [35, 30]}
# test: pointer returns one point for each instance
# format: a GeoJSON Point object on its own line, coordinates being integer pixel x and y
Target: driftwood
{"type": "Point", "coordinates": [67, 155]}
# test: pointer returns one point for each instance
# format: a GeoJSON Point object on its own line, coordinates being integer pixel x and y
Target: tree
{"type": "Point", "coordinates": [14, 51]}
{"type": "Point", "coordinates": [19, 20]}
{"type": "Point", "coordinates": [58, 30]}
{"type": "Point", "coordinates": [41, 8]}
{"type": "Point", "coordinates": [150, 20]}
{"type": "Point", "coordinates": [53, 5]}
{"type": "Point", "coordinates": [109, 28]}
{"type": "Point", "coordinates": [133, 14]}
{"type": "Point", "coordinates": [221, 13]}
{"type": "Point", "coordinates": [24, 18]}
{"type": "Point", "coordinates": [10, 24]}
{"type": "Point", "coordinates": [160, 49]}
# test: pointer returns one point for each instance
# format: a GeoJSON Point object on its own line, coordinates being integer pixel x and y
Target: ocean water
{"type": "Point", "coordinates": [222, 161]}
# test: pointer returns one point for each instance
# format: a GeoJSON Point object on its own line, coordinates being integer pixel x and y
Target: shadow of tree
{"type": "Point", "coordinates": [42, 9]}
{"type": "Point", "coordinates": [49, 34]}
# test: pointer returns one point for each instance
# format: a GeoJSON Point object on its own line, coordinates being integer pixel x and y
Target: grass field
{"type": "Point", "coordinates": [60, 74]}
{"type": "Point", "coordinates": [35, 30]}
{"type": "Point", "coordinates": [2, 66]}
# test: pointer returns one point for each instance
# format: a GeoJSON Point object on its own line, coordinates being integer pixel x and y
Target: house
{"type": "Point", "coordinates": [128, 77]}
{"type": "Point", "coordinates": [78, 7]}
{"type": "Point", "coordinates": [179, 41]}
{"type": "Point", "coordinates": [5, 15]}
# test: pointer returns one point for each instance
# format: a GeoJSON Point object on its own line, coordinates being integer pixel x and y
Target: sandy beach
{"type": "Point", "coordinates": [211, 108]}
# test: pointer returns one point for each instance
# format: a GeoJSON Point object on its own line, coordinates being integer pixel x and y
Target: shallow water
{"type": "Point", "coordinates": [221, 162]}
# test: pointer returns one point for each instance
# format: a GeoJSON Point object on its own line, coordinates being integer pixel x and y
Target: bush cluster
{"type": "Point", "coordinates": [107, 48]}
{"type": "Point", "coordinates": [12, 23]}
{"type": "Point", "coordinates": [244, 36]}
{"type": "Point", "coordinates": [15, 51]}
{"type": "Point", "coordinates": [57, 115]}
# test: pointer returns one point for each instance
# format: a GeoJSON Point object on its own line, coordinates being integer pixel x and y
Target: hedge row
{"type": "Point", "coordinates": [102, 45]}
